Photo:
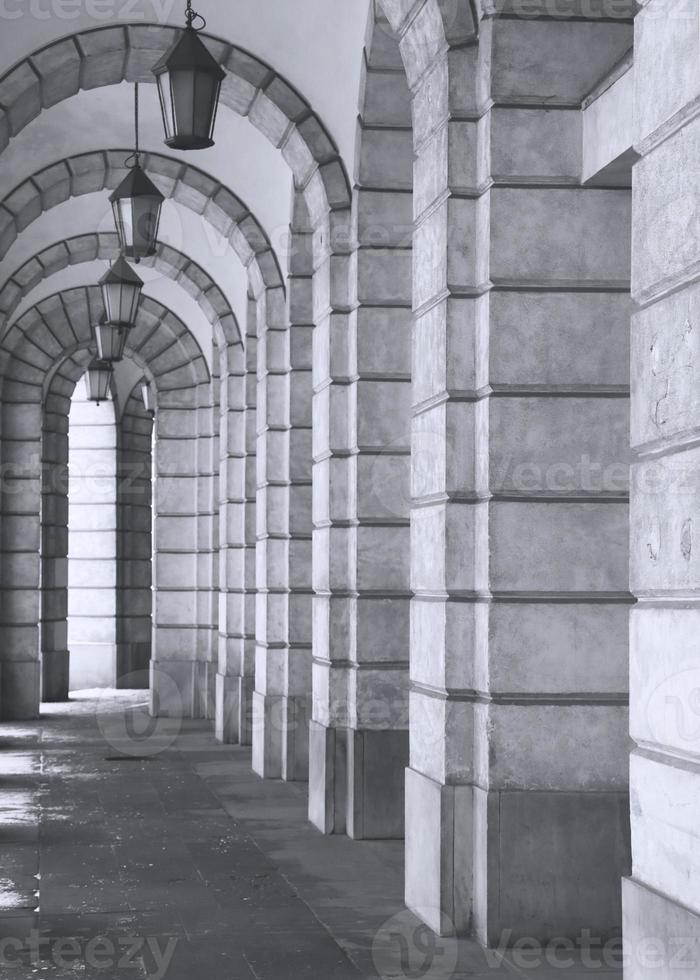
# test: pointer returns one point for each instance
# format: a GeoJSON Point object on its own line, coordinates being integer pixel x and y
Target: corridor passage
{"type": "Point", "coordinates": [141, 848]}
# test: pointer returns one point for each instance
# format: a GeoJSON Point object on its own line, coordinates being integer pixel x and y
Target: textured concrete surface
{"type": "Point", "coordinates": [164, 844]}
{"type": "Point", "coordinates": [661, 899]}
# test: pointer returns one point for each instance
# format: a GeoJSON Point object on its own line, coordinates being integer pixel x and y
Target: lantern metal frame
{"type": "Point", "coordinates": [98, 379]}
{"type": "Point", "coordinates": [111, 339]}
{"type": "Point", "coordinates": [121, 292]}
{"type": "Point", "coordinates": [137, 203]}
{"type": "Point", "coordinates": [189, 85]}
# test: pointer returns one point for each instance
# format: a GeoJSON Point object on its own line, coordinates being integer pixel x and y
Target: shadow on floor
{"type": "Point", "coordinates": [140, 848]}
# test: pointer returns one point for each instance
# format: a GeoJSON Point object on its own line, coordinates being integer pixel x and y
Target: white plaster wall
{"type": "Point", "coordinates": [92, 542]}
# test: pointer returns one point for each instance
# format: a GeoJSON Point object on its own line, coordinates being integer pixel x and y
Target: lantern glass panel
{"type": "Point", "coordinates": [97, 380]}
{"type": "Point", "coordinates": [147, 396]}
{"type": "Point", "coordinates": [121, 291]}
{"type": "Point", "coordinates": [166, 105]}
{"type": "Point", "coordinates": [111, 340]}
{"type": "Point", "coordinates": [121, 301]}
{"type": "Point", "coordinates": [137, 220]}
{"type": "Point", "coordinates": [182, 86]}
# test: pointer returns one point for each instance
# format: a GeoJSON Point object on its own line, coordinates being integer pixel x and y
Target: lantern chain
{"type": "Point", "coordinates": [192, 15]}
{"type": "Point", "coordinates": [134, 159]}
{"type": "Point", "coordinates": [136, 119]}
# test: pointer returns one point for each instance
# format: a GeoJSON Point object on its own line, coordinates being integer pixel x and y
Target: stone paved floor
{"type": "Point", "coordinates": [133, 848]}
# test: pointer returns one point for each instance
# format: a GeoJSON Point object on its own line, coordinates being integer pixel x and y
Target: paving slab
{"type": "Point", "coordinates": [171, 860]}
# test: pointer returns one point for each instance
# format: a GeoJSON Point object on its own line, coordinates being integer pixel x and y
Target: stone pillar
{"type": "Point", "coordinates": [380, 338]}
{"type": "Point", "coordinates": [272, 534]}
{"type": "Point", "coordinates": [516, 789]}
{"type": "Point", "coordinates": [283, 656]}
{"type": "Point", "coordinates": [333, 561]}
{"type": "Point", "coordinates": [54, 553]}
{"type": "Point", "coordinates": [20, 531]}
{"type": "Point", "coordinates": [92, 542]}
{"type": "Point", "coordinates": [297, 711]}
{"type": "Point", "coordinates": [174, 663]}
{"type": "Point", "coordinates": [134, 544]}
{"type": "Point", "coordinates": [231, 540]}
{"type": "Point", "coordinates": [235, 676]}
{"type": "Point", "coordinates": [661, 899]}
{"type": "Point", "coordinates": [207, 558]}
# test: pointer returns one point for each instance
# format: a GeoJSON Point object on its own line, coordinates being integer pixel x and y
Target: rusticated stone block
{"type": "Point", "coordinates": [24, 203]}
{"type": "Point", "coordinates": [20, 96]}
{"type": "Point", "coordinates": [667, 50]}
{"type": "Point", "coordinates": [559, 547]}
{"type": "Point", "coordinates": [387, 100]}
{"type": "Point", "coordinates": [316, 138]}
{"type": "Point", "coordinates": [54, 183]}
{"type": "Point", "coordinates": [531, 59]}
{"type": "Point", "coordinates": [286, 99]}
{"type": "Point", "coordinates": [59, 69]}
{"type": "Point", "coordinates": [104, 55]}
{"type": "Point", "coordinates": [8, 230]}
{"type": "Point", "coordinates": [88, 171]}
{"type": "Point", "coordinates": [269, 119]}
{"type": "Point", "coordinates": [54, 258]}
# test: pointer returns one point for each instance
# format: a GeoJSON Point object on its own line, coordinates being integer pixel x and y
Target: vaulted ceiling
{"type": "Point", "coordinates": [289, 104]}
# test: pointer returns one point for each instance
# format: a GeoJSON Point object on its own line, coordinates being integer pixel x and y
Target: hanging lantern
{"type": "Point", "coordinates": [97, 380]}
{"type": "Point", "coordinates": [189, 81]}
{"type": "Point", "coordinates": [136, 204]}
{"type": "Point", "coordinates": [111, 340]}
{"type": "Point", "coordinates": [121, 291]}
{"type": "Point", "coordinates": [147, 395]}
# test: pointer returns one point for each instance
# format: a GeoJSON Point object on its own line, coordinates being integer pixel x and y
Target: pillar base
{"type": "Point", "coordinates": [267, 735]}
{"type": "Point", "coordinates": [55, 667]}
{"type": "Point", "coordinates": [210, 691]}
{"type": "Point", "coordinates": [356, 781]}
{"type": "Point", "coordinates": [511, 865]}
{"type": "Point", "coordinates": [280, 737]}
{"type": "Point", "coordinates": [295, 738]}
{"type": "Point", "coordinates": [661, 937]}
{"type": "Point", "coordinates": [439, 835]}
{"type": "Point", "coordinates": [20, 686]}
{"type": "Point", "coordinates": [205, 689]}
{"type": "Point", "coordinates": [133, 661]}
{"type": "Point", "coordinates": [377, 763]}
{"type": "Point", "coordinates": [233, 709]}
{"type": "Point", "coordinates": [172, 688]}
{"type": "Point", "coordinates": [327, 778]}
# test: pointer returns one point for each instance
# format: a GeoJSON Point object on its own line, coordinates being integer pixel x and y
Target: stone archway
{"type": "Point", "coordinates": [360, 721]}
{"type": "Point", "coordinates": [47, 350]}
